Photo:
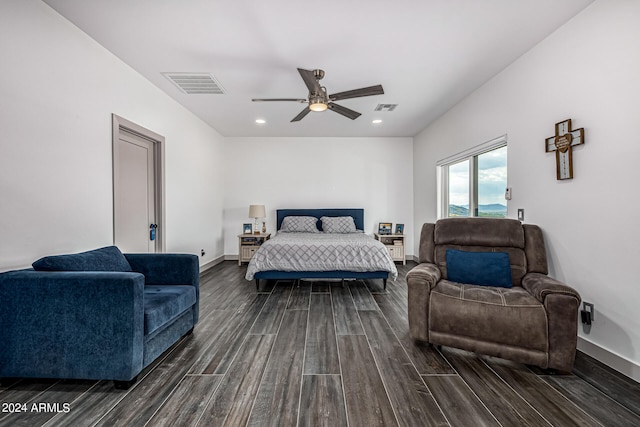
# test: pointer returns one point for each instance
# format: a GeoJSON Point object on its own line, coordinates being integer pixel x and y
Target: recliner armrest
{"type": "Point", "coordinates": [420, 281]}
{"type": "Point", "coordinates": [426, 273]}
{"type": "Point", "coordinates": [561, 303]}
{"type": "Point", "coordinates": [540, 286]}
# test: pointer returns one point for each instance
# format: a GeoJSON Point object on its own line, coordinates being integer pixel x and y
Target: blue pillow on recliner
{"type": "Point", "coordinates": [479, 268]}
{"type": "Point", "coordinates": [104, 259]}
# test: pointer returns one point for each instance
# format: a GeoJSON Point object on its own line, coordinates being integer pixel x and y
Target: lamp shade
{"type": "Point", "coordinates": [257, 211]}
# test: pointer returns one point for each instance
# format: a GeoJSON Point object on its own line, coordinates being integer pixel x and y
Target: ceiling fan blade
{"type": "Point", "coordinates": [347, 112]}
{"type": "Point", "coordinates": [278, 99]}
{"type": "Point", "coordinates": [310, 80]}
{"type": "Point", "coordinates": [301, 115]}
{"type": "Point", "coordinates": [357, 93]}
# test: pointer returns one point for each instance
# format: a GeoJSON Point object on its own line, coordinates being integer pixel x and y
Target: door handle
{"type": "Point", "coordinates": [152, 231]}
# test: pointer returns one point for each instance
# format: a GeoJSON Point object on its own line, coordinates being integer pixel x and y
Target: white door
{"type": "Point", "coordinates": [134, 193]}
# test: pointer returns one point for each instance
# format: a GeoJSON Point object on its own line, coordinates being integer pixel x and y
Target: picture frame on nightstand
{"type": "Point", "coordinates": [247, 228]}
{"type": "Point", "coordinates": [399, 229]}
{"type": "Point", "coordinates": [384, 228]}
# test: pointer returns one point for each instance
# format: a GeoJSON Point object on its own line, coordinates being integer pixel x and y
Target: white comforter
{"type": "Point", "coordinates": [357, 252]}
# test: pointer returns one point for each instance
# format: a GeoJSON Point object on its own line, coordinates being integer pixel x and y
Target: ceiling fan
{"type": "Point", "coordinates": [319, 100]}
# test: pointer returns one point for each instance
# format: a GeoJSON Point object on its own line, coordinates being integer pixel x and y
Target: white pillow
{"type": "Point", "coordinates": [299, 224]}
{"type": "Point", "coordinates": [338, 224]}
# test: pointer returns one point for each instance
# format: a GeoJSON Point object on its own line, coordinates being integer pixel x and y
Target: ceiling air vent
{"type": "Point", "coordinates": [195, 83]}
{"type": "Point", "coordinates": [386, 107]}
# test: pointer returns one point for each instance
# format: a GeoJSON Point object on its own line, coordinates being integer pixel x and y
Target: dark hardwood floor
{"type": "Point", "coordinates": [323, 354]}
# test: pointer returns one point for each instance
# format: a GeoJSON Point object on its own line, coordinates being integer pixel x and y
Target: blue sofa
{"type": "Point", "coordinates": [99, 315]}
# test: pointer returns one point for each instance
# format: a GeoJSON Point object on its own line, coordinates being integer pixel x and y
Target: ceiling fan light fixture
{"type": "Point", "coordinates": [316, 103]}
{"type": "Point", "coordinates": [318, 106]}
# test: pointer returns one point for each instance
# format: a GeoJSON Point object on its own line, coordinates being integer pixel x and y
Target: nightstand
{"type": "Point", "coordinates": [248, 244]}
{"type": "Point", "coordinates": [394, 244]}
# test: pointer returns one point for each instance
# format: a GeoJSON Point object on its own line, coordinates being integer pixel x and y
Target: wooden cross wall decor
{"type": "Point", "coordinates": [561, 143]}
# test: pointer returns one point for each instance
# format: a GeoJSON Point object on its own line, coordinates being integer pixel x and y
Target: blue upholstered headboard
{"type": "Point", "coordinates": [357, 214]}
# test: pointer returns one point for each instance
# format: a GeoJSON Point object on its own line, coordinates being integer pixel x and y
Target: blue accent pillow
{"type": "Point", "coordinates": [479, 268]}
{"type": "Point", "coordinates": [104, 259]}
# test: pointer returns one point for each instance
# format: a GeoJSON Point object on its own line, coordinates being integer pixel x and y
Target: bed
{"type": "Point", "coordinates": [326, 254]}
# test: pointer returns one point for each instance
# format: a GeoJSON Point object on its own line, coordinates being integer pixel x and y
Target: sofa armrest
{"type": "Point", "coordinates": [561, 302]}
{"type": "Point", "coordinates": [169, 269]}
{"type": "Point", "coordinates": [166, 269]}
{"type": "Point", "coordinates": [85, 325]}
{"type": "Point", "coordinates": [540, 286]}
{"type": "Point", "coordinates": [421, 279]}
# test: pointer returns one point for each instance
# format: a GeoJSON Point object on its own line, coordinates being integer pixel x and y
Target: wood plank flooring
{"type": "Point", "coordinates": [320, 354]}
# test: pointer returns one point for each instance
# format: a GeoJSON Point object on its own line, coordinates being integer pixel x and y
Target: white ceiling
{"type": "Point", "coordinates": [427, 54]}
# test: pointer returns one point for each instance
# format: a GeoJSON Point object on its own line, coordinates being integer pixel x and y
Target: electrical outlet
{"type": "Point", "coordinates": [202, 252]}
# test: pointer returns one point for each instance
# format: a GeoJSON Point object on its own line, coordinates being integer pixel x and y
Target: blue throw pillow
{"type": "Point", "coordinates": [479, 268]}
{"type": "Point", "coordinates": [104, 259]}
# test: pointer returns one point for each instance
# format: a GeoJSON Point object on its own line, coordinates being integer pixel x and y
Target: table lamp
{"type": "Point", "coordinates": [255, 212]}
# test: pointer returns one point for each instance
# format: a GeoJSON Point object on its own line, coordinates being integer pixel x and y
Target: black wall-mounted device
{"type": "Point", "coordinates": [587, 312]}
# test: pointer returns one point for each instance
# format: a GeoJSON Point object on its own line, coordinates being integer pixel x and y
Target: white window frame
{"type": "Point", "coordinates": [471, 154]}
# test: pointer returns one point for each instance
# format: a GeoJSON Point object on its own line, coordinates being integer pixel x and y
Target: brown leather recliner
{"type": "Point", "coordinates": [534, 322]}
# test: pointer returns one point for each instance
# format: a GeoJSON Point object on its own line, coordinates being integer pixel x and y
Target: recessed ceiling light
{"type": "Point", "coordinates": [376, 121]}
{"type": "Point", "coordinates": [261, 121]}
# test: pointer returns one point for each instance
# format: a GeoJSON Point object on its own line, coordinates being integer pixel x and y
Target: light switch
{"type": "Point", "coordinates": [520, 214]}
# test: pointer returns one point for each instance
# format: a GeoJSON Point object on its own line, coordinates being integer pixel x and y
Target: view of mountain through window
{"type": "Point", "coordinates": [485, 192]}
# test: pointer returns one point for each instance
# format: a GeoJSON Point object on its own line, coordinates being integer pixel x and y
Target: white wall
{"type": "Point", "coordinates": [587, 71]}
{"type": "Point", "coordinates": [58, 89]}
{"type": "Point", "coordinates": [370, 173]}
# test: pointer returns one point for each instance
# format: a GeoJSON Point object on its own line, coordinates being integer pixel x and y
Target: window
{"type": "Point", "coordinates": [472, 183]}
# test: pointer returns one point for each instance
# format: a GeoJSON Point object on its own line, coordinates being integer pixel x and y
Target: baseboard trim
{"type": "Point", "coordinates": [621, 364]}
{"type": "Point", "coordinates": [211, 264]}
